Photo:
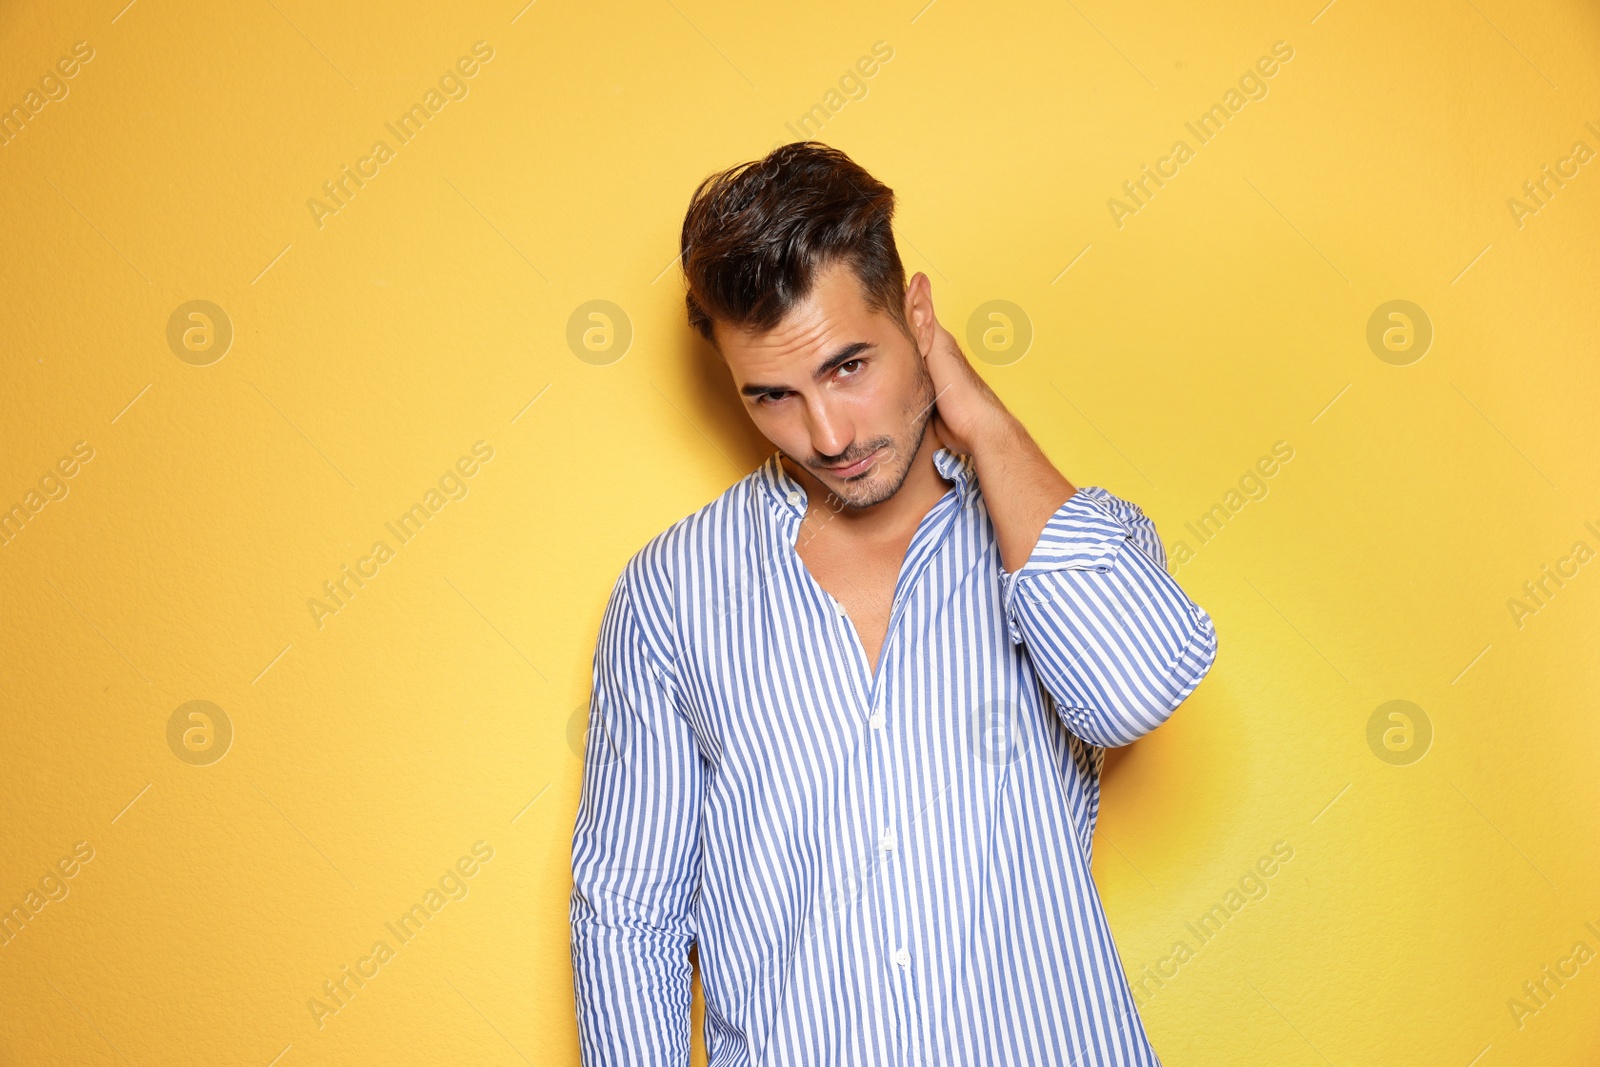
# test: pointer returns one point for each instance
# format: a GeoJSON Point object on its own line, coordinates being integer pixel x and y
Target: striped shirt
{"type": "Point", "coordinates": [879, 867]}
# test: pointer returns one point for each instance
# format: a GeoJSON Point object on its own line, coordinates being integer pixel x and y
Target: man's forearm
{"type": "Point", "coordinates": [1021, 487]}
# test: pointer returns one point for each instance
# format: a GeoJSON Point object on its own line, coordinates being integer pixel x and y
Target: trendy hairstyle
{"type": "Point", "coordinates": [756, 235]}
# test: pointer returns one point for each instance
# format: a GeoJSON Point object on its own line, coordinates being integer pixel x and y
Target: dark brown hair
{"type": "Point", "coordinates": [756, 235]}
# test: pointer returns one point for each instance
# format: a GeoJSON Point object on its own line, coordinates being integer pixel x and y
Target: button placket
{"type": "Point", "coordinates": [885, 762]}
{"type": "Point", "coordinates": [897, 892]}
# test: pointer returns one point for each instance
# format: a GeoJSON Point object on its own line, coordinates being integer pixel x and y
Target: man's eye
{"type": "Point", "coordinates": [767, 398]}
{"type": "Point", "coordinates": [849, 362]}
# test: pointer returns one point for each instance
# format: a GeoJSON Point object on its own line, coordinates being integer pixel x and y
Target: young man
{"type": "Point", "coordinates": [849, 718]}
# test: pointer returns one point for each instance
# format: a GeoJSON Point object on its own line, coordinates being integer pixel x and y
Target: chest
{"type": "Point", "coordinates": [862, 578]}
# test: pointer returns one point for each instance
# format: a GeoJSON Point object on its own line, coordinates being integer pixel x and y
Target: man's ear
{"type": "Point", "coordinates": [919, 312]}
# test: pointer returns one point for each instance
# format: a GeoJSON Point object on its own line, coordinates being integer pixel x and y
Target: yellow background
{"type": "Point", "coordinates": [443, 704]}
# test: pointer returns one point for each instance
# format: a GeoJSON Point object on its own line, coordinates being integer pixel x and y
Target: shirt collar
{"type": "Point", "coordinates": [788, 496]}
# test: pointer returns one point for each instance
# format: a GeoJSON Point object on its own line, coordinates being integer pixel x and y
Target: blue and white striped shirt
{"type": "Point", "coordinates": [878, 867]}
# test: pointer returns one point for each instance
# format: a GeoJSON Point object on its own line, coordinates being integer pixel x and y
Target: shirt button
{"type": "Point", "coordinates": [794, 497]}
{"type": "Point", "coordinates": [876, 720]}
{"type": "Point", "coordinates": [888, 839]}
{"type": "Point", "coordinates": [903, 958]}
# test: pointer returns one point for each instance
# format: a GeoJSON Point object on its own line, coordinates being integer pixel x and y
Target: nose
{"type": "Point", "coordinates": [831, 430]}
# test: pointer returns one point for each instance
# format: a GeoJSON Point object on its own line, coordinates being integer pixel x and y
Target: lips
{"type": "Point", "coordinates": [855, 468]}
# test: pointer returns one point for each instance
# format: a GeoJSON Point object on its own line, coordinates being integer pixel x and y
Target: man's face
{"type": "Point", "coordinates": [838, 388]}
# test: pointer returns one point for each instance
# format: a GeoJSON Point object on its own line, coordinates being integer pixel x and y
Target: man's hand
{"type": "Point", "coordinates": [966, 411]}
{"type": "Point", "coordinates": [1021, 487]}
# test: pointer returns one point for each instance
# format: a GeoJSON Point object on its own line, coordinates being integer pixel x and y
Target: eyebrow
{"type": "Point", "coordinates": [843, 356]}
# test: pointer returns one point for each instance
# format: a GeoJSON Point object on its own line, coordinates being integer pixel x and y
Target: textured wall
{"type": "Point", "coordinates": [323, 461]}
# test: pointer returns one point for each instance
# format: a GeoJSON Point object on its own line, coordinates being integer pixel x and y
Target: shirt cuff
{"type": "Point", "coordinates": [1082, 534]}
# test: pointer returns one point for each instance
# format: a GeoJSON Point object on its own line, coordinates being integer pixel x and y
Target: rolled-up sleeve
{"type": "Point", "coordinates": [635, 855]}
{"type": "Point", "coordinates": [1113, 637]}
